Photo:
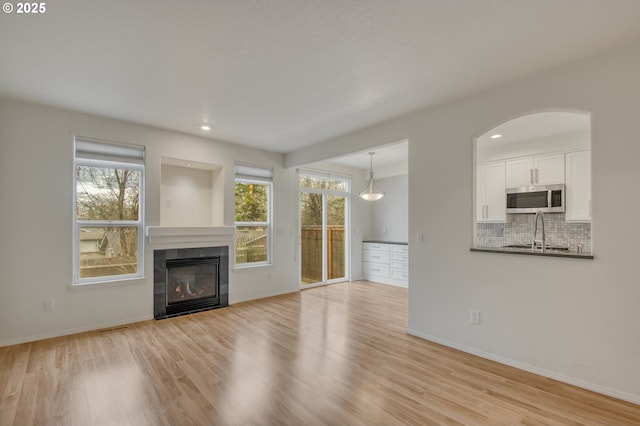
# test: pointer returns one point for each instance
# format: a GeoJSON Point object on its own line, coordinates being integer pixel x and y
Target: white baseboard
{"type": "Point", "coordinates": [66, 332]}
{"type": "Point", "coordinates": [387, 280]}
{"type": "Point", "coordinates": [263, 296]}
{"type": "Point", "coordinates": [635, 399]}
{"type": "Point", "coordinates": [60, 333]}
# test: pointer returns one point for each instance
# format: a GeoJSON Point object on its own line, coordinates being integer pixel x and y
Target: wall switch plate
{"type": "Point", "coordinates": [49, 305]}
{"type": "Point", "coordinates": [474, 317]}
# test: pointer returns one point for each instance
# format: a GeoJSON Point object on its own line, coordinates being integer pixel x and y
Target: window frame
{"type": "Point", "coordinates": [268, 224]}
{"type": "Point", "coordinates": [116, 162]}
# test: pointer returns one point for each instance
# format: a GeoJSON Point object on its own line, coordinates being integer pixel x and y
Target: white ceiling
{"type": "Point", "coordinates": [537, 126]}
{"type": "Point", "coordinates": [389, 160]}
{"type": "Point", "coordinates": [284, 74]}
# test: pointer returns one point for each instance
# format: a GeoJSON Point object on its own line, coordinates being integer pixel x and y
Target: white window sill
{"type": "Point", "coordinates": [102, 284]}
{"type": "Point", "coordinates": [250, 267]}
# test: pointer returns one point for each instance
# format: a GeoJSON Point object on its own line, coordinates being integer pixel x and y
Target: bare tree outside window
{"type": "Point", "coordinates": [108, 210]}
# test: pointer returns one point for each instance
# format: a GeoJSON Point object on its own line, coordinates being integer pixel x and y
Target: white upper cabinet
{"type": "Point", "coordinates": [539, 170]}
{"type": "Point", "coordinates": [578, 186]}
{"type": "Point", "coordinates": [548, 169]}
{"type": "Point", "coordinates": [520, 172]}
{"type": "Point", "coordinates": [491, 199]}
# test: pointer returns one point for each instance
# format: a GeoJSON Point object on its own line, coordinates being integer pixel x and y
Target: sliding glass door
{"type": "Point", "coordinates": [335, 237]}
{"type": "Point", "coordinates": [311, 238]}
{"type": "Point", "coordinates": [323, 236]}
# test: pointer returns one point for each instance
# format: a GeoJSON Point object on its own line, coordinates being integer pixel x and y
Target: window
{"type": "Point", "coordinates": [253, 193]}
{"type": "Point", "coordinates": [108, 226]}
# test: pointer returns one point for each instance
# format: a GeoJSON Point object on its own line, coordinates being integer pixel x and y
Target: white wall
{"type": "Point", "coordinates": [186, 197]}
{"type": "Point", "coordinates": [36, 181]}
{"type": "Point", "coordinates": [572, 319]}
{"type": "Point", "coordinates": [391, 212]}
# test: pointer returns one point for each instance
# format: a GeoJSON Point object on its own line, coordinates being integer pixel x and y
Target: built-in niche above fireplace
{"type": "Point", "coordinates": [191, 193]}
{"type": "Point", "coordinates": [190, 280]}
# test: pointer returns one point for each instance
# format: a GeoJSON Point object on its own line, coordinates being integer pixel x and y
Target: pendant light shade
{"type": "Point", "coordinates": [371, 192]}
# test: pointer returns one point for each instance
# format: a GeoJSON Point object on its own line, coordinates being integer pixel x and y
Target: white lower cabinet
{"type": "Point", "coordinates": [386, 263]}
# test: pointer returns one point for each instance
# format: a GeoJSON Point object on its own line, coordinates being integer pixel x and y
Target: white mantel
{"type": "Point", "coordinates": [190, 236]}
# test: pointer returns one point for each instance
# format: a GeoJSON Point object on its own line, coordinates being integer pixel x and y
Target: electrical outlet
{"type": "Point", "coordinates": [474, 317]}
{"type": "Point", "coordinates": [49, 305]}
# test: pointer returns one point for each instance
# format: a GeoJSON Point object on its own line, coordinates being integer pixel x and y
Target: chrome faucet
{"type": "Point", "coordinates": [535, 241]}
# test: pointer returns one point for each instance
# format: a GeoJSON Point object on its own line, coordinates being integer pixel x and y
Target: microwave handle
{"type": "Point", "coordinates": [549, 193]}
{"type": "Point", "coordinates": [531, 176]}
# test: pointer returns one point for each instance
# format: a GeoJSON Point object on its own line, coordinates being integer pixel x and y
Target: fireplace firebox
{"type": "Point", "coordinates": [190, 280]}
{"type": "Point", "coordinates": [192, 283]}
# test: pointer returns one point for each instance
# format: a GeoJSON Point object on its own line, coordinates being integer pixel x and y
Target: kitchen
{"type": "Point", "coordinates": [533, 186]}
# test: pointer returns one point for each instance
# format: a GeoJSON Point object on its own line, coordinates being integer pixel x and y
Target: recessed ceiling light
{"type": "Point", "coordinates": [205, 126]}
{"type": "Point", "coordinates": [496, 136]}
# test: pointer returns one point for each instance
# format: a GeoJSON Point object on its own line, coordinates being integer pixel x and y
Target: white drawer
{"type": "Point", "coordinates": [400, 274]}
{"type": "Point", "coordinates": [399, 248]}
{"type": "Point", "coordinates": [376, 269]}
{"type": "Point", "coordinates": [404, 257]}
{"type": "Point", "coordinates": [396, 264]}
{"type": "Point", "coordinates": [376, 246]}
{"type": "Point", "coordinates": [376, 256]}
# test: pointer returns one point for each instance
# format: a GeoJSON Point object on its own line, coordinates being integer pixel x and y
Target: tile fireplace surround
{"type": "Point", "coordinates": [171, 243]}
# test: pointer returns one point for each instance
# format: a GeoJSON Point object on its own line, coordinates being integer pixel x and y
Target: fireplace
{"type": "Point", "coordinates": [190, 280]}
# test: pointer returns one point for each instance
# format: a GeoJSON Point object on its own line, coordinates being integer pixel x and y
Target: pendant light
{"type": "Point", "coordinates": [371, 192]}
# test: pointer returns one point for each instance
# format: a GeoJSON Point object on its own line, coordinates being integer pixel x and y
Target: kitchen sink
{"type": "Point", "coordinates": [550, 249]}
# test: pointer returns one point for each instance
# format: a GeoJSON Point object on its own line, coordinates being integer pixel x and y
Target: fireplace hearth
{"type": "Point", "coordinates": [190, 280]}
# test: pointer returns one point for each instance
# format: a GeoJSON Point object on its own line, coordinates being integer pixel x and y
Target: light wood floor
{"type": "Point", "coordinates": [334, 355]}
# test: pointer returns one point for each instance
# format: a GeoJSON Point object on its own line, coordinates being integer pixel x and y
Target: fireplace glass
{"type": "Point", "coordinates": [190, 279]}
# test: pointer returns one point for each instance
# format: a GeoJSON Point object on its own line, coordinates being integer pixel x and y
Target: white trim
{"type": "Point", "coordinates": [320, 284]}
{"type": "Point", "coordinates": [122, 163]}
{"type": "Point", "coordinates": [253, 172]}
{"type": "Point", "coordinates": [68, 331]}
{"type": "Point", "coordinates": [386, 281]}
{"type": "Point", "coordinates": [112, 151]}
{"type": "Point", "coordinates": [268, 224]}
{"type": "Point", "coordinates": [635, 399]}
{"type": "Point", "coordinates": [323, 174]}
{"type": "Point", "coordinates": [259, 296]}
{"type": "Point", "coordinates": [326, 193]}
{"type": "Point", "coordinates": [190, 236]}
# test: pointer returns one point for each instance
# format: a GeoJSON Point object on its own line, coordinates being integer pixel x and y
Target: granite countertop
{"type": "Point", "coordinates": [386, 242]}
{"type": "Point", "coordinates": [530, 252]}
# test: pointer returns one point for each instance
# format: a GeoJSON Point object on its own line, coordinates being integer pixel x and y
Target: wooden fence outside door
{"type": "Point", "coordinates": [311, 249]}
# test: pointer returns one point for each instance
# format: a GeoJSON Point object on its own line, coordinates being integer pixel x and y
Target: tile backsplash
{"type": "Point", "coordinates": [519, 230]}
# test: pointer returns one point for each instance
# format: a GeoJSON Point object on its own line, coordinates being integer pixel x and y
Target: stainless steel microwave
{"type": "Point", "coordinates": [531, 199]}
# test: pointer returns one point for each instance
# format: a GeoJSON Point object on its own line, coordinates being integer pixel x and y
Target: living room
{"type": "Point", "coordinates": [571, 320]}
